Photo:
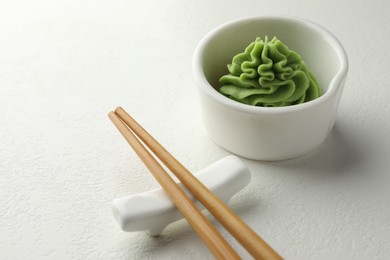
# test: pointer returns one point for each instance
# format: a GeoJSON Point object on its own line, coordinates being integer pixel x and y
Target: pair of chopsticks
{"type": "Point", "coordinates": [134, 134]}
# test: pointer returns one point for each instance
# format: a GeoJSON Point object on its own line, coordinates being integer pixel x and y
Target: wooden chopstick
{"type": "Point", "coordinates": [251, 241]}
{"type": "Point", "coordinates": [202, 226]}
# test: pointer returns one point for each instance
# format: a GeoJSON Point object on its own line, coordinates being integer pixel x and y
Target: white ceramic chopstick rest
{"type": "Point", "coordinates": [153, 210]}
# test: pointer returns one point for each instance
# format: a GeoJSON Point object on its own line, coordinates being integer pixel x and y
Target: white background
{"type": "Point", "coordinates": [65, 65]}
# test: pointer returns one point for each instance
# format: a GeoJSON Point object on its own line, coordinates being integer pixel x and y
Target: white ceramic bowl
{"type": "Point", "coordinates": [269, 133]}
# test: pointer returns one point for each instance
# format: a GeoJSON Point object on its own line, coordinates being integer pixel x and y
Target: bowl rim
{"type": "Point", "coordinates": [334, 84]}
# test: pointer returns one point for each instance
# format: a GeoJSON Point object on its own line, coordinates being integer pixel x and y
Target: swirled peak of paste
{"type": "Point", "coordinates": [269, 74]}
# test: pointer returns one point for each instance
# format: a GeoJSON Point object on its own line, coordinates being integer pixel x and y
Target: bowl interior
{"type": "Point", "coordinates": [317, 47]}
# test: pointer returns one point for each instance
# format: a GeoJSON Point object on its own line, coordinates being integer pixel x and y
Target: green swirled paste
{"type": "Point", "coordinates": [269, 74]}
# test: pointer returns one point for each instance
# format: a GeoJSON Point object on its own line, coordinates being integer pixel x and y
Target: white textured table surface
{"type": "Point", "coordinates": [64, 65]}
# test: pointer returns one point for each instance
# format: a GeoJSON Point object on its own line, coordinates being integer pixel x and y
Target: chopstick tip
{"type": "Point", "coordinates": [111, 114]}
{"type": "Point", "coordinates": [118, 108]}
